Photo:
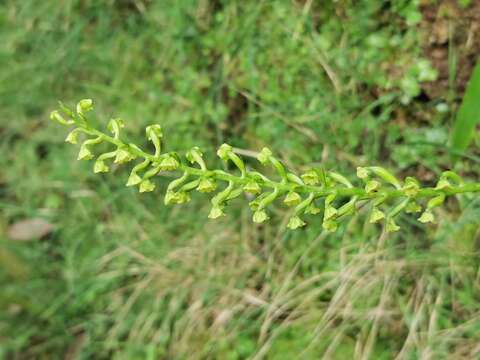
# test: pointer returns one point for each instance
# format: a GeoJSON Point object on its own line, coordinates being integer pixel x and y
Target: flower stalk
{"type": "Point", "coordinates": [303, 193]}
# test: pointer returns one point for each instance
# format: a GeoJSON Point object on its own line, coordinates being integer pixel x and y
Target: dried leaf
{"type": "Point", "coordinates": [29, 229]}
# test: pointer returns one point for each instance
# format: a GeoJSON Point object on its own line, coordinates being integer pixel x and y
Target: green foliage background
{"type": "Point", "coordinates": [336, 83]}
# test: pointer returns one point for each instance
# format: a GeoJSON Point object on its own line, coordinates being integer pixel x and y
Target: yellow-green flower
{"type": "Point", "coordinates": [100, 167]}
{"type": "Point", "coordinates": [292, 199]}
{"type": "Point", "coordinates": [260, 216]}
{"type": "Point", "coordinates": [295, 223]}
{"type": "Point", "coordinates": [146, 186]}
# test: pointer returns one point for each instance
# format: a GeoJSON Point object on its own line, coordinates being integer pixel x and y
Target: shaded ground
{"type": "Point", "coordinates": [452, 43]}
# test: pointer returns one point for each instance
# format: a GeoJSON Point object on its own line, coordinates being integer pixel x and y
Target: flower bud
{"type": "Point", "coordinates": [310, 177]}
{"type": "Point", "coordinates": [146, 186]}
{"type": "Point", "coordinates": [216, 212]}
{"type": "Point", "coordinates": [292, 199]}
{"type": "Point", "coordinates": [193, 154]}
{"type": "Point", "coordinates": [264, 155]}
{"type": "Point", "coordinates": [376, 215]}
{"type": "Point", "coordinates": [252, 188]}
{"type": "Point", "coordinates": [295, 223]}
{"type": "Point", "coordinates": [169, 163]}
{"type": "Point", "coordinates": [100, 167]}
{"type": "Point", "coordinates": [260, 216]}
{"type": "Point", "coordinates": [84, 106]}
{"type": "Point", "coordinates": [206, 185]}
{"type": "Point", "coordinates": [223, 151]}
{"type": "Point", "coordinates": [55, 116]}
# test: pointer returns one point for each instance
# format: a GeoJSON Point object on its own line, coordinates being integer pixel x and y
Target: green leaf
{"type": "Point", "coordinates": [469, 113]}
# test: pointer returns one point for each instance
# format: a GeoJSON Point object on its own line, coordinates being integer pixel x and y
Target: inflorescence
{"type": "Point", "coordinates": [317, 191]}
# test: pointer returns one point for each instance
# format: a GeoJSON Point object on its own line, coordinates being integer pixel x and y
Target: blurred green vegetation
{"type": "Point", "coordinates": [121, 276]}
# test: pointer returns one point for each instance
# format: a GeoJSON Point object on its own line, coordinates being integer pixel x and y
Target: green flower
{"type": "Point", "coordinates": [443, 184]}
{"type": "Point", "coordinates": [372, 186]}
{"type": "Point", "coordinates": [146, 186]}
{"type": "Point", "coordinates": [100, 167]}
{"type": "Point", "coordinates": [312, 209]}
{"type": "Point", "coordinates": [427, 217]}
{"type": "Point", "coordinates": [260, 216]}
{"type": "Point", "coordinates": [295, 223]}
{"type": "Point", "coordinates": [216, 212]}
{"type": "Point", "coordinates": [330, 225]}
{"type": "Point", "coordinates": [310, 177]}
{"type": "Point", "coordinates": [412, 207]}
{"type": "Point", "coordinates": [134, 179]}
{"type": "Point", "coordinates": [84, 153]}
{"type": "Point", "coordinates": [264, 155]}
{"type": "Point", "coordinates": [206, 185]}
{"type": "Point", "coordinates": [391, 226]}
{"type": "Point", "coordinates": [72, 137]}
{"type": "Point", "coordinates": [411, 187]}
{"type": "Point", "coordinates": [252, 188]}
{"type": "Point", "coordinates": [330, 212]}
{"type": "Point", "coordinates": [223, 151]}
{"type": "Point", "coordinates": [123, 156]}
{"type": "Point", "coordinates": [84, 106]}
{"type": "Point", "coordinates": [292, 199]}
{"type": "Point", "coordinates": [376, 215]}
{"type": "Point", "coordinates": [362, 173]}
{"type": "Point", "coordinates": [169, 163]}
